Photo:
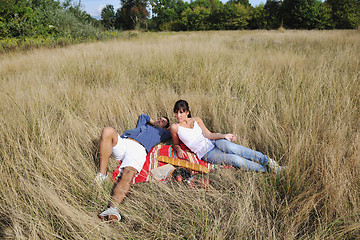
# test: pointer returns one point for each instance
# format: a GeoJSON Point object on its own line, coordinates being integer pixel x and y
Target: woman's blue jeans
{"type": "Point", "coordinates": [229, 153]}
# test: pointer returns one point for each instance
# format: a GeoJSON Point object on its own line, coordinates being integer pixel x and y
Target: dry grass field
{"type": "Point", "coordinates": [294, 95]}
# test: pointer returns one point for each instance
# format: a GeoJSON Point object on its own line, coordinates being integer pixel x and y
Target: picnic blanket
{"type": "Point", "coordinates": [152, 162]}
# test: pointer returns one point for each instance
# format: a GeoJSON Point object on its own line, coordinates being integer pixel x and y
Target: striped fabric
{"type": "Point", "coordinates": [183, 163]}
{"type": "Point", "coordinates": [152, 162]}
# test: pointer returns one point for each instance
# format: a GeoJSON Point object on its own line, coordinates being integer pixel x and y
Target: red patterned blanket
{"type": "Point", "coordinates": [152, 162]}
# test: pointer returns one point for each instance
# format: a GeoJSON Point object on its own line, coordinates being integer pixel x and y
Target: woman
{"type": "Point", "coordinates": [214, 147]}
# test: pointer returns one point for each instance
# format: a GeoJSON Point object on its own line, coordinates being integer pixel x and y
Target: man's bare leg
{"type": "Point", "coordinates": [108, 140]}
{"type": "Point", "coordinates": [120, 191]}
{"type": "Point", "coordinates": [123, 187]}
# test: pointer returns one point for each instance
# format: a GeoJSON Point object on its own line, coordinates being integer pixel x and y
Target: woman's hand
{"type": "Point", "coordinates": [230, 137]}
{"type": "Point", "coordinates": [181, 154]}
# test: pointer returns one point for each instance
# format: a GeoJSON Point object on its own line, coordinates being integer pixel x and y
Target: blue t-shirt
{"type": "Point", "coordinates": [147, 135]}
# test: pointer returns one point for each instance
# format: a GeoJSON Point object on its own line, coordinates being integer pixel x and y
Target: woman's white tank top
{"type": "Point", "coordinates": [195, 140]}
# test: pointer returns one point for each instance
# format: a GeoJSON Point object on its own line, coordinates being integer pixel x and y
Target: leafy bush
{"type": "Point", "coordinates": [67, 25]}
{"type": "Point", "coordinates": [21, 19]}
{"type": "Point", "coordinates": [196, 18]}
{"type": "Point", "coordinates": [176, 25]}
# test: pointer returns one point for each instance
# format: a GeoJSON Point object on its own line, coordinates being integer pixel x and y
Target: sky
{"type": "Point", "coordinates": [93, 7]}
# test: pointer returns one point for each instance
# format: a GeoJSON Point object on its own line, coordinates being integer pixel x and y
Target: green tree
{"type": "Point", "coordinates": [345, 14]}
{"type": "Point", "coordinates": [201, 3]}
{"type": "Point", "coordinates": [132, 14]}
{"type": "Point", "coordinates": [303, 14]}
{"type": "Point", "coordinates": [230, 17]}
{"type": "Point", "coordinates": [273, 14]}
{"type": "Point", "coordinates": [76, 9]}
{"type": "Point", "coordinates": [167, 11]}
{"type": "Point", "coordinates": [108, 16]}
{"type": "Point", "coordinates": [258, 17]}
{"type": "Point", "coordinates": [196, 18]}
{"type": "Point", "coordinates": [323, 16]}
{"type": "Point", "coordinates": [199, 14]}
{"type": "Point", "coordinates": [242, 2]}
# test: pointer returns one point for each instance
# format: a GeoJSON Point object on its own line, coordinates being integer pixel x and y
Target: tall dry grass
{"type": "Point", "coordinates": [293, 95]}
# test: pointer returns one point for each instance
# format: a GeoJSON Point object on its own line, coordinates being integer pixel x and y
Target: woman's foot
{"type": "Point", "coordinates": [275, 167]}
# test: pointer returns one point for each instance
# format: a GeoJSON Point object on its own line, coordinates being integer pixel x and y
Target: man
{"type": "Point", "coordinates": [130, 148]}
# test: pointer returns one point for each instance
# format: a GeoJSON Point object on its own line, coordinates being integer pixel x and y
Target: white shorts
{"type": "Point", "coordinates": [131, 153]}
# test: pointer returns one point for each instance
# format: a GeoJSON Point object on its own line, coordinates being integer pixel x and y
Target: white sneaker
{"type": "Point", "coordinates": [279, 169]}
{"type": "Point", "coordinates": [272, 163]}
{"type": "Point", "coordinates": [100, 178]}
{"type": "Point", "coordinates": [112, 213]}
{"type": "Point", "coordinates": [274, 166]}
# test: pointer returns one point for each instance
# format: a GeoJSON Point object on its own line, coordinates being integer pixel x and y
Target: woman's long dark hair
{"type": "Point", "coordinates": [182, 105]}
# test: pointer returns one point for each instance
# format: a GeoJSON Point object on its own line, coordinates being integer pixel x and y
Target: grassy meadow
{"type": "Point", "coordinates": [294, 95]}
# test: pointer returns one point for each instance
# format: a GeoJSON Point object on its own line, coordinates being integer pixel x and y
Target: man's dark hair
{"type": "Point", "coordinates": [168, 122]}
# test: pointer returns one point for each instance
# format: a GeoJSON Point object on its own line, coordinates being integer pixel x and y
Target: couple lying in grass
{"type": "Point", "coordinates": [132, 146]}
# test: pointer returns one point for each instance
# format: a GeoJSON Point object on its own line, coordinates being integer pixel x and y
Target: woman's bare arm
{"type": "Point", "coordinates": [176, 141]}
{"type": "Point", "coordinates": [214, 136]}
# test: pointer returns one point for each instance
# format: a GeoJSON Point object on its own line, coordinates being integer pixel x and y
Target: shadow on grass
{"type": "Point", "coordinates": [94, 151]}
{"type": "Point", "coordinates": [5, 225]}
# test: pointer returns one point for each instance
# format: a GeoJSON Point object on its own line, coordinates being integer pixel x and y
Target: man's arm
{"type": "Point", "coordinates": [143, 120]}
{"type": "Point", "coordinates": [151, 122]}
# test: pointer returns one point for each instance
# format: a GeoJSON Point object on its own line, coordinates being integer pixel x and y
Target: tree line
{"type": "Point", "coordinates": [67, 19]}
{"type": "Point", "coordinates": [178, 15]}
